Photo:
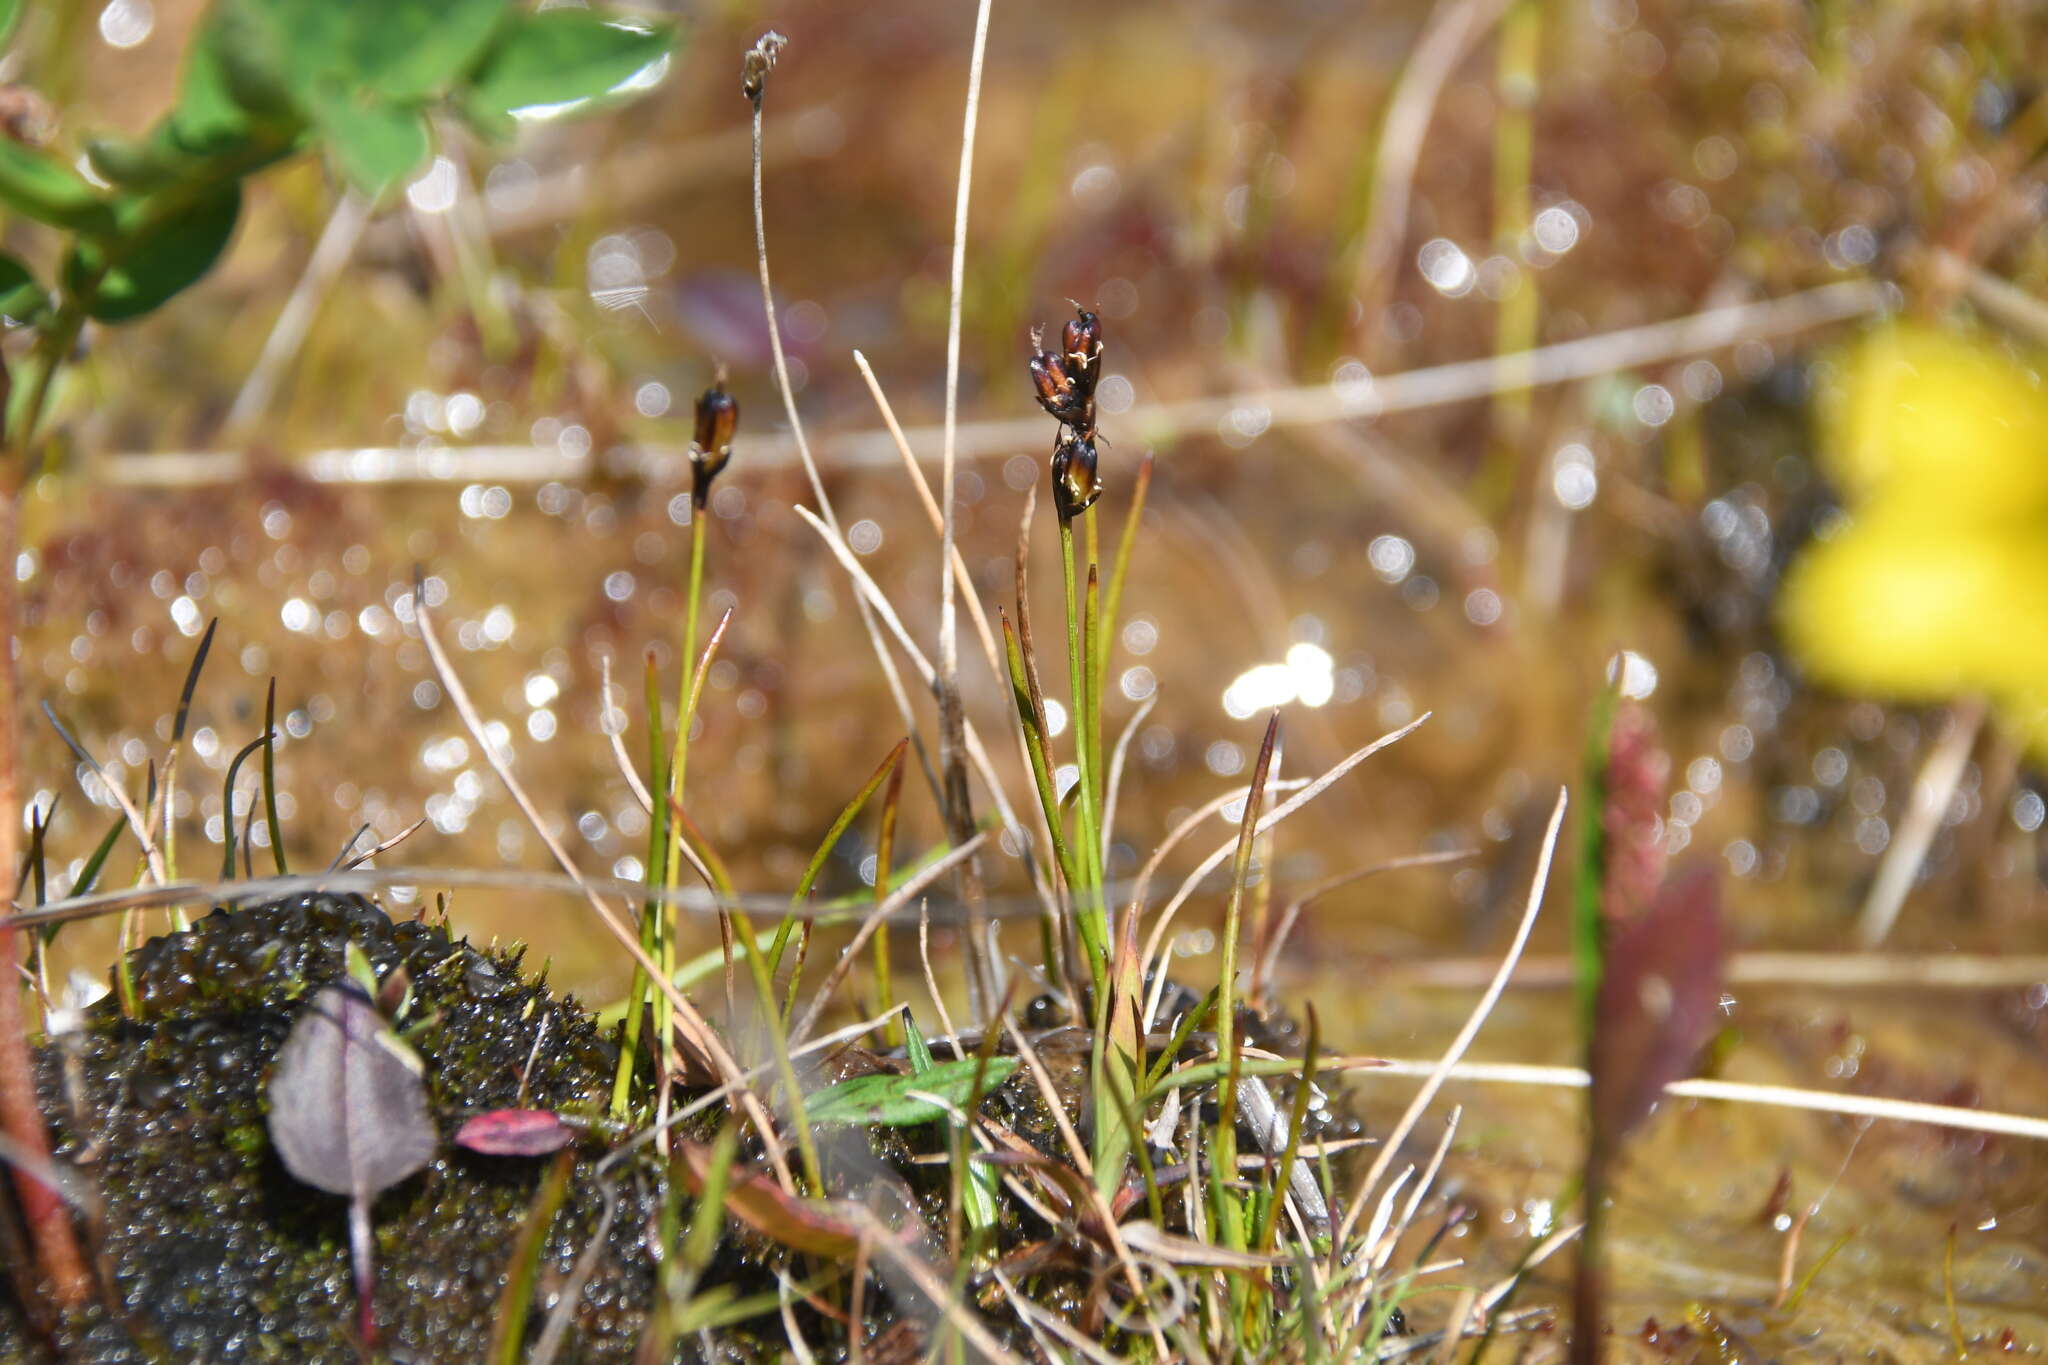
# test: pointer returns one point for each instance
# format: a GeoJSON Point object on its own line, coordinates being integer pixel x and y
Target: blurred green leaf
{"type": "Point", "coordinates": [137, 163]}
{"type": "Point", "coordinates": [160, 252]}
{"type": "Point", "coordinates": [213, 113]}
{"type": "Point", "coordinates": [20, 296]}
{"type": "Point", "coordinates": [10, 15]}
{"type": "Point", "coordinates": [375, 145]}
{"type": "Point", "coordinates": [560, 57]}
{"type": "Point", "coordinates": [403, 50]}
{"type": "Point", "coordinates": [49, 191]}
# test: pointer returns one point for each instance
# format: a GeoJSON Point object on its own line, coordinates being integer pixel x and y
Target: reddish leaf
{"type": "Point", "coordinates": [515, 1132]}
{"type": "Point", "coordinates": [806, 1225]}
{"type": "Point", "coordinates": [1637, 771]}
{"type": "Point", "coordinates": [1658, 1003]}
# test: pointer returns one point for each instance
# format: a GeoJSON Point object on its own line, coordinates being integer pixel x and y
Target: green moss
{"type": "Point", "coordinates": [216, 1253]}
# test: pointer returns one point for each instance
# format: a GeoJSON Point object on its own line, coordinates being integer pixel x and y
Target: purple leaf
{"type": "Point", "coordinates": [348, 1112]}
{"type": "Point", "coordinates": [515, 1132]}
{"type": "Point", "coordinates": [1659, 1001]}
{"type": "Point", "coordinates": [348, 1115]}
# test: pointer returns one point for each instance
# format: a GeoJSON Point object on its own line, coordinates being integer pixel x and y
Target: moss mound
{"type": "Point", "coordinates": [216, 1253]}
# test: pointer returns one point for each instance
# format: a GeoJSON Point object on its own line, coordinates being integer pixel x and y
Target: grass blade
{"type": "Point", "coordinates": [227, 804]}
{"type": "Point", "coordinates": [270, 780]}
{"type": "Point", "coordinates": [508, 1330]}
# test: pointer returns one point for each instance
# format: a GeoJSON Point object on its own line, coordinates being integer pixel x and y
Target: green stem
{"type": "Point", "coordinates": [1090, 913]}
{"type": "Point", "coordinates": [1225, 1145]}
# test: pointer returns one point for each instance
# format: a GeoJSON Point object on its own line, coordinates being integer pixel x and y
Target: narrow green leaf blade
{"type": "Point", "coordinates": [893, 1101]}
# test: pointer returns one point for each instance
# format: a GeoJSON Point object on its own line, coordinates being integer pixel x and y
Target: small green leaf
{"type": "Point", "coordinates": [375, 145]}
{"type": "Point", "coordinates": [892, 1101]}
{"type": "Point", "coordinates": [49, 191]}
{"type": "Point", "coordinates": [914, 1044]}
{"type": "Point", "coordinates": [164, 251]}
{"type": "Point", "coordinates": [404, 50]}
{"type": "Point", "coordinates": [20, 296]}
{"type": "Point", "coordinates": [212, 115]}
{"type": "Point", "coordinates": [558, 59]}
{"type": "Point", "coordinates": [10, 15]}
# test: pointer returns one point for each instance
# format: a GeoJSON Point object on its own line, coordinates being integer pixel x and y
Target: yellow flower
{"type": "Point", "coordinates": [1950, 426]}
{"type": "Point", "coordinates": [1937, 586]}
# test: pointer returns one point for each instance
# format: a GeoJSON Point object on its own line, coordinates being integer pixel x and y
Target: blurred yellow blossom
{"type": "Point", "coordinates": [1937, 584]}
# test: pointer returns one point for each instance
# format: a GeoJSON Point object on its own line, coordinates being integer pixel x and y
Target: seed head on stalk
{"type": "Point", "coordinates": [718, 415]}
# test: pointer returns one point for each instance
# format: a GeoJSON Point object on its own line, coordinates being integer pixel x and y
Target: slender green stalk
{"type": "Point", "coordinates": [1224, 1145]}
{"type": "Point", "coordinates": [508, 1332]}
{"type": "Point", "coordinates": [885, 854]}
{"type": "Point", "coordinates": [1041, 760]}
{"type": "Point", "coordinates": [847, 816]}
{"type": "Point", "coordinates": [1113, 592]}
{"type": "Point", "coordinates": [270, 819]}
{"type": "Point", "coordinates": [651, 918]}
{"type": "Point", "coordinates": [778, 1040]}
{"type": "Point", "coordinates": [1089, 910]}
{"type": "Point", "coordinates": [1297, 1119]}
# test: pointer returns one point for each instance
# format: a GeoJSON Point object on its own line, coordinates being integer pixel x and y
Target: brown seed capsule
{"type": "Point", "coordinates": [1075, 484]}
{"type": "Point", "coordinates": [1082, 339]}
{"type": "Point", "coordinates": [758, 62]}
{"type": "Point", "coordinates": [718, 415]}
{"type": "Point", "coordinates": [1054, 384]}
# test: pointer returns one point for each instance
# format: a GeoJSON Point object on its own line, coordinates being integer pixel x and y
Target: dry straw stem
{"type": "Point", "coordinates": [699, 1031]}
{"type": "Point", "coordinates": [1456, 1051]}
{"type": "Point", "coordinates": [1628, 348]}
{"type": "Point", "coordinates": [770, 44]}
{"type": "Point", "coordinates": [868, 592]}
{"type": "Point", "coordinates": [1823, 971]}
{"type": "Point", "coordinates": [1744, 1092]}
{"type": "Point", "coordinates": [249, 890]}
{"type": "Point", "coordinates": [1933, 789]}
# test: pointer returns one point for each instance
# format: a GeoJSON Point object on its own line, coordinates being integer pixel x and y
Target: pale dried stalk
{"type": "Point", "coordinates": [1460, 381]}
{"type": "Point", "coordinates": [1744, 1092]}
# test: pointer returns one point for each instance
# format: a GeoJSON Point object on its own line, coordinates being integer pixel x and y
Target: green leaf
{"type": "Point", "coordinates": [404, 50]}
{"type": "Point", "coordinates": [49, 191]}
{"type": "Point", "coordinates": [919, 1050]}
{"type": "Point", "coordinates": [213, 112]}
{"type": "Point", "coordinates": [888, 1100]}
{"type": "Point", "coordinates": [10, 15]}
{"type": "Point", "coordinates": [561, 58]}
{"type": "Point", "coordinates": [375, 145]}
{"type": "Point", "coordinates": [20, 296]}
{"type": "Point", "coordinates": [161, 251]}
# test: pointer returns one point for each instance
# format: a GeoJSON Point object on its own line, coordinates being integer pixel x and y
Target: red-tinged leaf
{"type": "Point", "coordinates": [1631, 817]}
{"type": "Point", "coordinates": [810, 1226]}
{"type": "Point", "coordinates": [515, 1132]}
{"type": "Point", "coordinates": [1658, 1004]}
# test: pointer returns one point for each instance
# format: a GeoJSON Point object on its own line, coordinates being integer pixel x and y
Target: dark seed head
{"type": "Point", "coordinates": [718, 415]}
{"type": "Point", "coordinates": [1059, 393]}
{"type": "Point", "coordinates": [1075, 485]}
{"type": "Point", "coordinates": [1082, 341]}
